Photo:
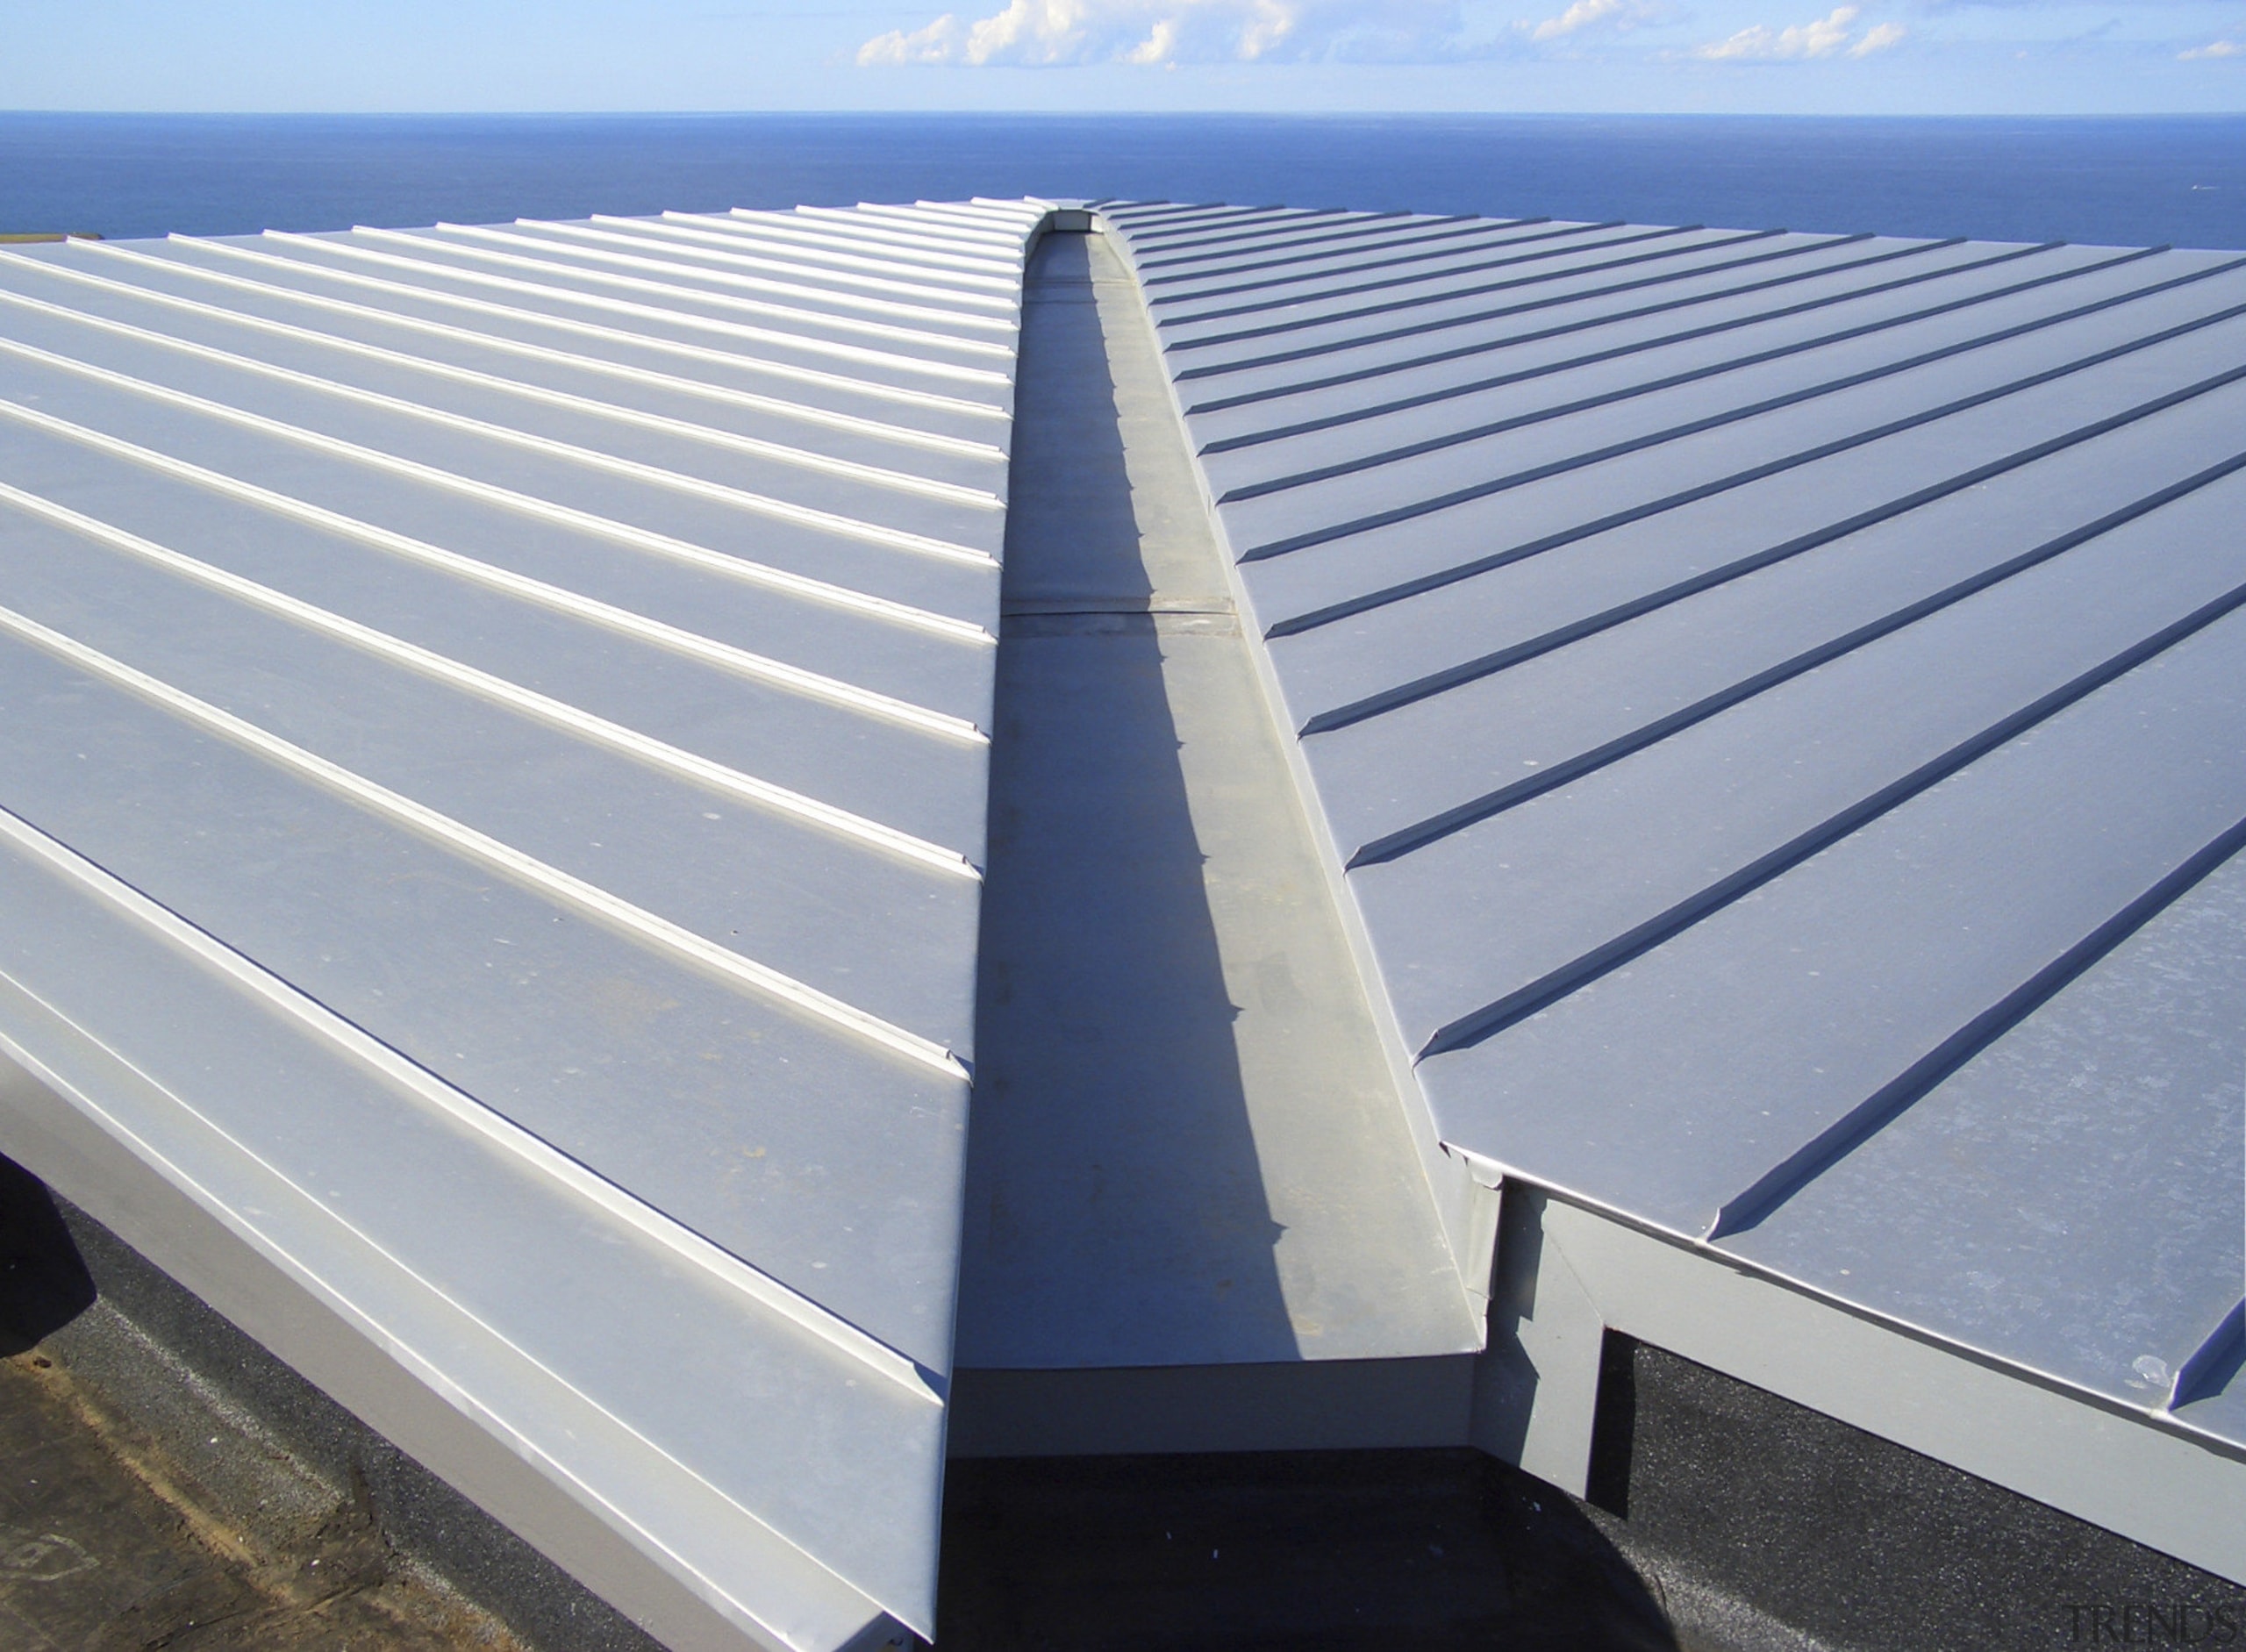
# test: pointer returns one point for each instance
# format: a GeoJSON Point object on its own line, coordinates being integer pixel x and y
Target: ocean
{"type": "Point", "coordinates": [2119, 181]}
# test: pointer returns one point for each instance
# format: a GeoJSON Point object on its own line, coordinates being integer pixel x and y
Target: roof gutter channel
{"type": "Point", "coordinates": [1468, 1215]}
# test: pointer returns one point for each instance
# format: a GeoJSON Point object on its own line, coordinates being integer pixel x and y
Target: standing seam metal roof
{"type": "Point", "coordinates": [493, 736]}
{"type": "Point", "coordinates": [1778, 700]}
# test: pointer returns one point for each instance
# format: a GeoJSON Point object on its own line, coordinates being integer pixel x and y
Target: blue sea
{"type": "Point", "coordinates": [2124, 181]}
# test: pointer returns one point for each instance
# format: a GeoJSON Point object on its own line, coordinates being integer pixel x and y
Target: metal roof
{"type": "Point", "coordinates": [1780, 700]}
{"type": "Point", "coordinates": [493, 738]}
{"type": "Point", "coordinates": [495, 726]}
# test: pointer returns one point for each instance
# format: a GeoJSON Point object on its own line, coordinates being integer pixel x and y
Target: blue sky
{"type": "Point", "coordinates": [1776, 56]}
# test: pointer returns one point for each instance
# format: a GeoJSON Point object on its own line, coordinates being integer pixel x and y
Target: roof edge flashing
{"type": "Point", "coordinates": [2134, 1473]}
{"type": "Point", "coordinates": [205, 1248]}
{"type": "Point", "coordinates": [1650, 1284]}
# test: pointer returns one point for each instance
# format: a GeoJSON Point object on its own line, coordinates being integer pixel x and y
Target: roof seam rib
{"type": "Point", "coordinates": [1362, 312]}
{"type": "Point", "coordinates": [1730, 415]}
{"type": "Point", "coordinates": [679, 383]}
{"type": "Point", "coordinates": [691, 645]}
{"type": "Point", "coordinates": [524, 252]}
{"type": "Point", "coordinates": [1478, 1024]}
{"type": "Point", "coordinates": [1699, 375]}
{"type": "Point", "coordinates": [640, 748]}
{"type": "Point", "coordinates": [1476, 386]}
{"type": "Point", "coordinates": [1755, 1203]}
{"type": "Point", "coordinates": [1489, 804]}
{"type": "Point", "coordinates": [407, 1075]}
{"type": "Point", "coordinates": [632, 921]}
{"type": "Point", "coordinates": [1423, 278]}
{"type": "Point", "coordinates": [1473, 242]}
{"type": "Point", "coordinates": [708, 353]}
{"type": "Point", "coordinates": [567, 256]}
{"type": "Point", "coordinates": [832, 348]}
{"type": "Point", "coordinates": [715, 436]}
{"type": "Point", "coordinates": [999, 306]}
{"type": "Point", "coordinates": [1591, 323]}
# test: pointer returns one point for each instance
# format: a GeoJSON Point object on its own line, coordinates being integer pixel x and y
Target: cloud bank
{"type": "Point", "coordinates": [1160, 33]}
{"type": "Point", "coordinates": [1168, 33]}
{"type": "Point", "coordinates": [1823, 37]}
{"type": "Point", "coordinates": [1585, 13]}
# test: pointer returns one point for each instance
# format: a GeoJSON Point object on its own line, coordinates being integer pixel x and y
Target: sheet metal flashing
{"type": "Point", "coordinates": [1776, 702]}
{"type": "Point", "coordinates": [493, 746]}
{"type": "Point", "coordinates": [1189, 1148]}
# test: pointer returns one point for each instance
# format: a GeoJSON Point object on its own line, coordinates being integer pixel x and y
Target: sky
{"type": "Point", "coordinates": [1732, 56]}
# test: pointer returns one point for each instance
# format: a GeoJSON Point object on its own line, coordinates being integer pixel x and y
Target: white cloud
{"type": "Point", "coordinates": [1158, 34]}
{"type": "Point", "coordinates": [1159, 46]}
{"type": "Point", "coordinates": [2214, 48]}
{"type": "Point", "coordinates": [1583, 13]}
{"type": "Point", "coordinates": [1821, 38]}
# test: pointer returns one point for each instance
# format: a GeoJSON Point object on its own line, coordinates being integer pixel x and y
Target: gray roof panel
{"type": "Point", "coordinates": [244, 312]}
{"type": "Point", "coordinates": [1735, 786]}
{"type": "Point", "coordinates": [699, 691]}
{"type": "Point", "coordinates": [1791, 354]}
{"type": "Point", "coordinates": [1606, 648]}
{"type": "Point", "coordinates": [1711, 1052]}
{"type": "Point", "coordinates": [2107, 1126]}
{"type": "Point", "coordinates": [1782, 727]}
{"type": "Point", "coordinates": [636, 337]}
{"type": "Point", "coordinates": [1654, 447]}
{"type": "Point", "coordinates": [600, 804]}
{"type": "Point", "coordinates": [493, 767]}
{"type": "Point", "coordinates": [376, 1155]}
{"type": "Point", "coordinates": [938, 348]}
{"type": "Point", "coordinates": [1405, 258]}
{"type": "Point", "coordinates": [354, 399]}
{"type": "Point", "coordinates": [1311, 322]}
{"type": "Point", "coordinates": [1453, 308]}
{"type": "Point", "coordinates": [801, 516]}
{"type": "Point", "coordinates": [676, 314]}
{"type": "Point", "coordinates": [1767, 484]}
{"type": "Point", "coordinates": [1274, 281]}
{"type": "Point", "coordinates": [1798, 276]}
{"type": "Point", "coordinates": [515, 992]}
{"type": "Point", "coordinates": [944, 310]}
